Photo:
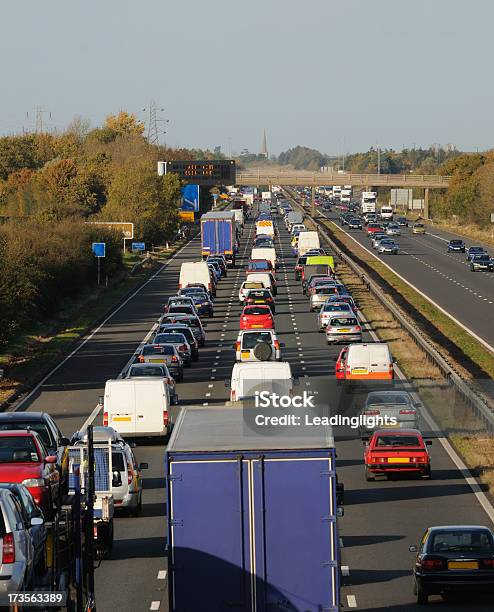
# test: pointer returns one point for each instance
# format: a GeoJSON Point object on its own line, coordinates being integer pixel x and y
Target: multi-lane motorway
{"type": "Point", "coordinates": [381, 518]}
{"type": "Point", "coordinates": [443, 277]}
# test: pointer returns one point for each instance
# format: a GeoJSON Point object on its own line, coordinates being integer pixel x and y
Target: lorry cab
{"type": "Point", "coordinates": [370, 361]}
{"type": "Point", "coordinates": [137, 408]}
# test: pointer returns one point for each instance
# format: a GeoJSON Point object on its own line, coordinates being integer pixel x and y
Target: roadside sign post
{"type": "Point", "coordinates": [125, 227]}
{"type": "Point", "coordinates": [99, 250]}
{"type": "Point", "coordinates": [137, 247]}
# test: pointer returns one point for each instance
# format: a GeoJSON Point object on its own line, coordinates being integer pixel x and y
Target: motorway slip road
{"type": "Point", "coordinates": [443, 277]}
{"type": "Point", "coordinates": [381, 518]}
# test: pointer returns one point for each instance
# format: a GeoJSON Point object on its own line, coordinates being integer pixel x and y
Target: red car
{"type": "Point", "coordinates": [372, 228]}
{"type": "Point", "coordinates": [396, 451]}
{"type": "Point", "coordinates": [24, 459]}
{"type": "Point", "coordinates": [257, 317]}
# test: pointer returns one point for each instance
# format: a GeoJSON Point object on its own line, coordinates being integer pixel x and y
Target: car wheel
{"type": "Point", "coordinates": [427, 475]}
{"type": "Point", "coordinates": [422, 597]}
{"type": "Point", "coordinates": [369, 476]}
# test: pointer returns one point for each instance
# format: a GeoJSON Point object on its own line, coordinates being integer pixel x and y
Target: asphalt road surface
{"type": "Point", "coordinates": [381, 518]}
{"type": "Point", "coordinates": [444, 277]}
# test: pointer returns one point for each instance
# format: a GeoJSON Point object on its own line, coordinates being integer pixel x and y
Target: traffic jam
{"type": "Point", "coordinates": [263, 242]}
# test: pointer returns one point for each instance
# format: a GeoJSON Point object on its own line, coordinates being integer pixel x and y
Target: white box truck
{"type": "Point", "coordinates": [193, 272]}
{"type": "Point", "coordinates": [369, 200]}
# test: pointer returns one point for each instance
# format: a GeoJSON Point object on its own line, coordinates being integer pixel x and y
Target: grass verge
{"type": "Point", "coordinates": [34, 351]}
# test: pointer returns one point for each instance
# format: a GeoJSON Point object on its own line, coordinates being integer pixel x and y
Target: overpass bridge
{"type": "Point", "coordinates": [292, 178]}
{"type": "Point", "coordinates": [318, 179]}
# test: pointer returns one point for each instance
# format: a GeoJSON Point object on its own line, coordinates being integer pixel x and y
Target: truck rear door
{"type": "Point", "coordinates": [295, 507]}
{"type": "Point", "coordinates": [210, 536]}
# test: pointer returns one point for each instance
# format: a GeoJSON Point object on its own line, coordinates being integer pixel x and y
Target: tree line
{"type": "Point", "coordinates": [50, 184]}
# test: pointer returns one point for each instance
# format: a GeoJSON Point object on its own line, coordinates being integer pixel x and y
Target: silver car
{"type": "Point", "coordinates": [154, 370]}
{"type": "Point", "coordinates": [17, 567]}
{"type": "Point", "coordinates": [377, 239]}
{"type": "Point", "coordinates": [393, 229]}
{"type": "Point", "coordinates": [343, 329]}
{"type": "Point", "coordinates": [333, 309]}
{"type": "Point", "coordinates": [388, 246]}
{"type": "Point", "coordinates": [393, 404]}
{"type": "Point", "coordinates": [321, 294]}
{"type": "Point", "coordinates": [163, 353]}
{"type": "Point", "coordinates": [179, 341]}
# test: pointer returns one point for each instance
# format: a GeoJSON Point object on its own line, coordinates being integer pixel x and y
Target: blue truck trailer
{"type": "Point", "coordinates": [252, 517]}
{"type": "Point", "coordinates": [218, 235]}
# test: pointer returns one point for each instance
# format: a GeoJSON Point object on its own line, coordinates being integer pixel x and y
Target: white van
{"type": "Point", "coordinates": [265, 253]}
{"type": "Point", "coordinates": [307, 241]}
{"type": "Point", "coordinates": [265, 227]}
{"type": "Point", "coordinates": [239, 217]}
{"type": "Point", "coordinates": [249, 377]}
{"type": "Point", "coordinates": [266, 279]}
{"type": "Point", "coordinates": [192, 272]}
{"type": "Point", "coordinates": [136, 407]}
{"type": "Point", "coordinates": [386, 213]}
{"type": "Point", "coordinates": [370, 361]}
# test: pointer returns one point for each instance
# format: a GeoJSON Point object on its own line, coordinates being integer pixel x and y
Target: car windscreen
{"type": "Point", "coordinates": [21, 449]}
{"type": "Point", "coordinates": [40, 428]}
{"type": "Point", "coordinates": [160, 349]}
{"type": "Point", "coordinates": [343, 321]}
{"type": "Point", "coordinates": [456, 242]}
{"type": "Point", "coordinates": [150, 370]}
{"type": "Point", "coordinates": [468, 540]}
{"type": "Point", "coordinates": [257, 310]}
{"type": "Point", "coordinates": [251, 340]}
{"type": "Point", "coordinates": [481, 257]}
{"type": "Point", "coordinates": [390, 440]}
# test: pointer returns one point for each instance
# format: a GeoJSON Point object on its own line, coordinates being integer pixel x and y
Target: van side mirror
{"type": "Point", "coordinates": [282, 345]}
{"type": "Point", "coordinates": [340, 511]}
{"type": "Point", "coordinates": [413, 548]}
{"type": "Point", "coordinates": [101, 400]}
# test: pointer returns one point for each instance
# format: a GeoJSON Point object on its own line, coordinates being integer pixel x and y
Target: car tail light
{"type": "Point", "coordinates": [391, 371]}
{"type": "Point", "coordinates": [432, 564]}
{"type": "Point", "coordinates": [180, 285]}
{"type": "Point", "coordinates": [175, 359]}
{"type": "Point", "coordinates": [407, 412]}
{"type": "Point", "coordinates": [487, 563]}
{"type": "Point", "coordinates": [129, 474]}
{"type": "Point", "coordinates": [95, 532]}
{"type": "Point", "coordinates": [166, 418]}
{"type": "Point", "coordinates": [277, 345]}
{"type": "Point", "coordinates": [329, 328]}
{"type": "Point", "coordinates": [182, 347]}
{"type": "Point", "coordinates": [379, 460]}
{"type": "Point", "coordinates": [8, 552]}
{"type": "Point", "coordinates": [358, 328]}
{"type": "Point", "coordinates": [105, 418]}
{"type": "Point", "coordinates": [141, 359]}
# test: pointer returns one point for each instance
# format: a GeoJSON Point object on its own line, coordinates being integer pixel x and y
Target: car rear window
{"type": "Point", "coordinates": [181, 309]}
{"type": "Point", "coordinates": [259, 265]}
{"type": "Point", "coordinates": [461, 541]}
{"type": "Point", "coordinates": [253, 285]}
{"type": "Point", "coordinates": [187, 332]}
{"type": "Point", "coordinates": [326, 290]}
{"type": "Point", "coordinates": [249, 341]}
{"type": "Point", "coordinates": [161, 349]}
{"type": "Point", "coordinates": [172, 338]}
{"type": "Point", "coordinates": [336, 307]}
{"type": "Point", "coordinates": [388, 440]}
{"type": "Point", "coordinates": [259, 293]}
{"type": "Point", "coordinates": [118, 462]}
{"type": "Point", "coordinates": [342, 321]}
{"type": "Point", "coordinates": [21, 449]}
{"type": "Point", "coordinates": [257, 310]}
{"type": "Point", "coordinates": [146, 371]}
{"type": "Point", "coordinates": [39, 428]}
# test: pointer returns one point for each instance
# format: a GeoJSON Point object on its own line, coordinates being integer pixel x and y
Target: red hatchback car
{"type": "Point", "coordinates": [396, 451]}
{"type": "Point", "coordinates": [24, 459]}
{"type": "Point", "coordinates": [257, 317]}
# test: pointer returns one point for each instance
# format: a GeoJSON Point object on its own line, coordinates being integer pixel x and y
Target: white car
{"type": "Point", "coordinates": [333, 309]}
{"type": "Point", "coordinates": [246, 286]}
{"type": "Point", "coordinates": [393, 229]}
{"type": "Point", "coordinates": [258, 345]}
{"type": "Point", "coordinates": [247, 378]}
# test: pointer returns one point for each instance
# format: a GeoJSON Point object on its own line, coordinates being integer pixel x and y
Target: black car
{"type": "Point", "coordinates": [36, 528]}
{"type": "Point", "coordinates": [180, 328]}
{"type": "Point", "coordinates": [456, 245]}
{"type": "Point", "coordinates": [51, 436]}
{"type": "Point", "coordinates": [402, 221]}
{"type": "Point", "coordinates": [260, 296]}
{"type": "Point", "coordinates": [481, 262]}
{"type": "Point", "coordinates": [354, 223]}
{"type": "Point", "coordinates": [452, 559]}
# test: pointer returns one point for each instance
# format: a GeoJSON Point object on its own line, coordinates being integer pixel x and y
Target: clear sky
{"type": "Point", "coordinates": [339, 76]}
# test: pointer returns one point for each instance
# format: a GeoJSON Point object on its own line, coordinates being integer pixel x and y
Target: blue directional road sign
{"type": "Point", "coordinates": [190, 198]}
{"type": "Point", "coordinates": [99, 249]}
{"type": "Point", "coordinates": [138, 246]}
